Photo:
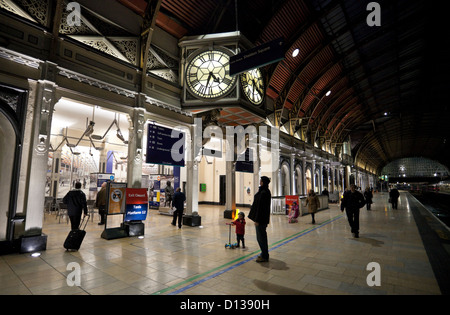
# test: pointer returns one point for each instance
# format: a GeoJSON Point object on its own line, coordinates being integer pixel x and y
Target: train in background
{"type": "Point", "coordinates": [442, 187]}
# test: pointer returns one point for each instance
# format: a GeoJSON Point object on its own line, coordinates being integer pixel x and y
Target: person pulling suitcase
{"type": "Point", "coordinates": [76, 203]}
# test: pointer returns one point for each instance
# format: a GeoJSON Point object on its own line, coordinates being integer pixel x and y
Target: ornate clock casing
{"type": "Point", "coordinates": [208, 75]}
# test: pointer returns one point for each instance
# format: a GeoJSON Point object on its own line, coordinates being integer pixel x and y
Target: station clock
{"type": "Point", "coordinates": [253, 86]}
{"type": "Point", "coordinates": [208, 75]}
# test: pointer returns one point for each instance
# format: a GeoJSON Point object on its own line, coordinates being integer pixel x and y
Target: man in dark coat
{"type": "Point", "coordinates": [393, 195]}
{"type": "Point", "coordinates": [100, 203]}
{"type": "Point", "coordinates": [76, 203]}
{"type": "Point", "coordinates": [353, 201]}
{"type": "Point", "coordinates": [260, 214]}
{"type": "Point", "coordinates": [178, 203]}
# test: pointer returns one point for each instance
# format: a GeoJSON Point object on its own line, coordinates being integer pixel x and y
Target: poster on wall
{"type": "Point", "coordinates": [136, 204]}
{"type": "Point", "coordinates": [289, 202]}
{"type": "Point", "coordinates": [116, 198]}
{"type": "Point", "coordinates": [160, 145]}
{"type": "Point", "coordinates": [154, 193]}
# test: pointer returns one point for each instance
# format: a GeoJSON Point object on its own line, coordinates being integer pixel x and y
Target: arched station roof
{"type": "Point", "coordinates": [387, 82]}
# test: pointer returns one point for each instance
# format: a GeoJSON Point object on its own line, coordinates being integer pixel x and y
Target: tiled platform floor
{"type": "Point", "coordinates": [305, 259]}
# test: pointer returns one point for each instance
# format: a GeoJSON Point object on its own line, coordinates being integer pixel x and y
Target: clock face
{"type": "Point", "coordinates": [253, 86]}
{"type": "Point", "coordinates": [208, 75]}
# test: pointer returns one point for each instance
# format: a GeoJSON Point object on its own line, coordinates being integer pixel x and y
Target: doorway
{"type": "Point", "coordinates": [85, 139]}
{"type": "Point", "coordinates": [7, 140]}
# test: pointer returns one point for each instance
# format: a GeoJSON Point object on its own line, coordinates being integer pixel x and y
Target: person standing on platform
{"type": "Point", "coordinates": [260, 214]}
{"type": "Point", "coordinates": [368, 196]}
{"type": "Point", "coordinates": [100, 203]}
{"type": "Point", "coordinates": [393, 196]}
{"type": "Point", "coordinates": [313, 204]}
{"type": "Point", "coordinates": [178, 204]}
{"type": "Point", "coordinates": [76, 203]}
{"type": "Point", "coordinates": [353, 201]}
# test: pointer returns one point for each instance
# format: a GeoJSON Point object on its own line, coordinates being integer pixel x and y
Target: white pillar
{"type": "Point", "coordinates": [293, 183]}
{"type": "Point", "coordinates": [304, 192]}
{"type": "Point", "coordinates": [135, 146]}
{"type": "Point", "coordinates": [256, 168]}
{"type": "Point", "coordinates": [332, 178]}
{"type": "Point", "coordinates": [40, 123]}
{"type": "Point", "coordinates": [313, 175]}
{"type": "Point", "coordinates": [56, 171]}
{"type": "Point", "coordinates": [192, 170]}
{"type": "Point", "coordinates": [320, 177]}
{"type": "Point", "coordinates": [230, 203]}
{"type": "Point", "coordinates": [103, 157]}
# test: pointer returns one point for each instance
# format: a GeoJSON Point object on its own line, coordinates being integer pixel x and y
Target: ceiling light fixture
{"type": "Point", "coordinates": [328, 93]}
{"type": "Point", "coordinates": [295, 52]}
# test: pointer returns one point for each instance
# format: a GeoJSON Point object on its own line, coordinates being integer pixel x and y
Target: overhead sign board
{"type": "Point", "coordinates": [160, 145]}
{"type": "Point", "coordinates": [257, 57]}
{"type": "Point", "coordinates": [245, 165]}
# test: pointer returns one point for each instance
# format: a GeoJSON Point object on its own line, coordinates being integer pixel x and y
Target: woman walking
{"type": "Point", "coordinates": [313, 203]}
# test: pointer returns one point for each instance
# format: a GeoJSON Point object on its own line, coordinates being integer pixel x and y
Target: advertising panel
{"type": "Point", "coordinates": [289, 202]}
{"type": "Point", "coordinates": [116, 198]}
{"type": "Point", "coordinates": [154, 191]}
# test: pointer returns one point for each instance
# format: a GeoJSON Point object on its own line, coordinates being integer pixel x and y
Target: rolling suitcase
{"type": "Point", "coordinates": [75, 237]}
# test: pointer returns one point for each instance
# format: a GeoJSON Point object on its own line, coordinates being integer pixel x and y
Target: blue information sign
{"type": "Point", "coordinates": [136, 212]}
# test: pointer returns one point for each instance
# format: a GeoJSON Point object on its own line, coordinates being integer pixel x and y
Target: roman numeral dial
{"type": "Point", "coordinates": [207, 75]}
{"type": "Point", "coordinates": [253, 86]}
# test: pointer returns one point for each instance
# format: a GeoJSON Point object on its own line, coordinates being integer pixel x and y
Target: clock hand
{"type": "Point", "coordinates": [209, 78]}
{"type": "Point", "coordinates": [217, 80]}
{"type": "Point", "coordinates": [255, 87]}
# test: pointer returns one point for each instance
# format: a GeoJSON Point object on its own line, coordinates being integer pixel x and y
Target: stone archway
{"type": "Point", "coordinates": [285, 179]}
{"type": "Point", "coordinates": [308, 180]}
{"type": "Point", "coordinates": [298, 180]}
{"type": "Point", "coordinates": [7, 140]}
